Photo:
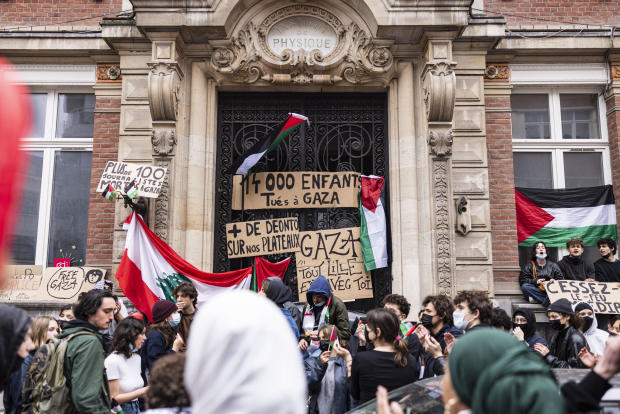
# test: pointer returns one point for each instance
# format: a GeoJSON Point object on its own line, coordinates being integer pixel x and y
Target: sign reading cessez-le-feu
{"type": "Point", "coordinates": [603, 297]}
{"type": "Point", "coordinates": [279, 190]}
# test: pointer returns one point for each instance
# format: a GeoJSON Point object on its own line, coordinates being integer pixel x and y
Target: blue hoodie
{"type": "Point", "coordinates": [319, 285]}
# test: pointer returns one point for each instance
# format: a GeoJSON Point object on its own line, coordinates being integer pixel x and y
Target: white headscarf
{"type": "Point", "coordinates": [595, 337]}
{"type": "Point", "coordinates": [242, 358]}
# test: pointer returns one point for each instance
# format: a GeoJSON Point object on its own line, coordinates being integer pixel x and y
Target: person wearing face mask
{"type": "Point", "coordinates": [323, 308]}
{"type": "Point", "coordinates": [437, 318]}
{"type": "Point", "coordinates": [124, 365]}
{"type": "Point", "coordinates": [573, 266]}
{"type": "Point", "coordinates": [161, 336]}
{"type": "Point", "coordinates": [537, 271]}
{"type": "Point", "coordinates": [473, 309]}
{"type": "Point", "coordinates": [595, 337]}
{"type": "Point", "coordinates": [524, 328]}
{"type": "Point", "coordinates": [490, 372]}
{"type": "Point", "coordinates": [327, 375]}
{"type": "Point", "coordinates": [389, 363]}
{"type": "Point", "coordinates": [568, 341]}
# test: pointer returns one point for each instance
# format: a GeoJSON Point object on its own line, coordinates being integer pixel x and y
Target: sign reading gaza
{"type": "Point", "coordinates": [275, 190]}
{"type": "Point", "coordinates": [260, 237]}
{"type": "Point", "coordinates": [337, 255]}
{"type": "Point", "coordinates": [603, 297]}
{"type": "Point", "coordinates": [149, 178]}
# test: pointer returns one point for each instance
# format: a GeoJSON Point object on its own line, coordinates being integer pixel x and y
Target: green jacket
{"type": "Point", "coordinates": [84, 369]}
{"type": "Point", "coordinates": [339, 316]}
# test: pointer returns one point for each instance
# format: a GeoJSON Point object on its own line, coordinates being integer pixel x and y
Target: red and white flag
{"type": "Point", "coordinates": [150, 270]}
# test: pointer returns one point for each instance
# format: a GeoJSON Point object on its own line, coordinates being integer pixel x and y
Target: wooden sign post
{"type": "Point", "coordinates": [260, 237]}
{"type": "Point", "coordinates": [603, 297]}
{"type": "Point", "coordinates": [337, 255]}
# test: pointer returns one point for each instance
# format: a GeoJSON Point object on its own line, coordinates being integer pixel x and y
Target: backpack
{"type": "Point", "coordinates": [45, 386]}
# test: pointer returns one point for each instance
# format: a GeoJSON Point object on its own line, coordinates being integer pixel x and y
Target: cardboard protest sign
{"type": "Point", "coordinates": [148, 178]}
{"type": "Point", "coordinates": [337, 255]}
{"type": "Point", "coordinates": [260, 237]}
{"type": "Point", "coordinates": [22, 283]}
{"type": "Point", "coordinates": [271, 190]}
{"type": "Point", "coordinates": [56, 284]}
{"type": "Point", "coordinates": [603, 297]}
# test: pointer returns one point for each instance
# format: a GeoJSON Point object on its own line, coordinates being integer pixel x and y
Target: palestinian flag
{"type": "Point", "coordinates": [250, 157]}
{"type": "Point", "coordinates": [264, 269]}
{"type": "Point", "coordinates": [373, 233]}
{"type": "Point", "coordinates": [333, 338]}
{"type": "Point", "coordinates": [109, 192]}
{"type": "Point", "coordinates": [555, 216]}
{"type": "Point", "coordinates": [131, 190]}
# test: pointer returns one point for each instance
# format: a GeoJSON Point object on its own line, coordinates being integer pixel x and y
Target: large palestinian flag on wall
{"type": "Point", "coordinates": [555, 216]}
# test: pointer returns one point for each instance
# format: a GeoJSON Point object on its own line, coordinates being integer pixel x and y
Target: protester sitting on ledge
{"type": "Point", "coordinates": [568, 341]}
{"type": "Point", "coordinates": [607, 268]}
{"type": "Point", "coordinates": [537, 271]}
{"type": "Point", "coordinates": [573, 266]}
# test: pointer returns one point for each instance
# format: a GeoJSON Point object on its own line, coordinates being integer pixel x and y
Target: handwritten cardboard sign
{"type": "Point", "coordinates": [603, 297]}
{"type": "Point", "coordinates": [337, 255]}
{"type": "Point", "coordinates": [56, 284]}
{"type": "Point", "coordinates": [149, 178]}
{"type": "Point", "coordinates": [271, 190]}
{"type": "Point", "coordinates": [260, 237]}
{"type": "Point", "coordinates": [22, 284]}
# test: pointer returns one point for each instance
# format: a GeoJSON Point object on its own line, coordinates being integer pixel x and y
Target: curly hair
{"type": "Point", "coordinates": [186, 289]}
{"type": "Point", "coordinates": [166, 388]}
{"type": "Point", "coordinates": [476, 301]}
{"type": "Point", "coordinates": [398, 300]}
{"type": "Point", "coordinates": [609, 242]}
{"type": "Point", "coordinates": [501, 320]}
{"type": "Point", "coordinates": [443, 306]}
{"type": "Point", "coordinates": [574, 241]}
{"type": "Point", "coordinates": [125, 334]}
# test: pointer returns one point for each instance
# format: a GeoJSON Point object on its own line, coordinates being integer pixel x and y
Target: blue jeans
{"type": "Point", "coordinates": [532, 291]}
{"type": "Point", "coordinates": [131, 407]}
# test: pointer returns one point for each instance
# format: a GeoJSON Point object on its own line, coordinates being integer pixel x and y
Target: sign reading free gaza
{"type": "Point", "coordinates": [603, 297]}
{"type": "Point", "coordinates": [148, 178]}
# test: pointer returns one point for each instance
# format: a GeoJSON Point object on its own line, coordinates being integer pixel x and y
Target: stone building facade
{"type": "Point", "coordinates": [161, 72]}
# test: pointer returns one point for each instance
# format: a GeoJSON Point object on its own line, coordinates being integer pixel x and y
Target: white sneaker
{"type": "Point", "coordinates": [531, 300]}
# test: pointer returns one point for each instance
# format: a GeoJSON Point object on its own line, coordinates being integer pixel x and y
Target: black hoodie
{"type": "Point", "coordinates": [574, 268]}
{"type": "Point", "coordinates": [14, 324]}
{"type": "Point", "coordinates": [281, 295]}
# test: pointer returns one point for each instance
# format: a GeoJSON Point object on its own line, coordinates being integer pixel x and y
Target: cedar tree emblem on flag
{"type": "Point", "coordinates": [250, 157]}
{"type": "Point", "coordinates": [555, 216]}
{"type": "Point", "coordinates": [109, 192]}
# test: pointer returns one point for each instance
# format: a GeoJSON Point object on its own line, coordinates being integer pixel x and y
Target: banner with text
{"type": "Point", "coordinates": [603, 297]}
{"type": "Point", "coordinates": [337, 255]}
{"type": "Point", "coordinates": [149, 178]}
{"type": "Point", "coordinates": [269, 190]}
{"type": "Point", "coordinates": [57, 284]}
{"type": "Point", "coordinates": [260, 237]}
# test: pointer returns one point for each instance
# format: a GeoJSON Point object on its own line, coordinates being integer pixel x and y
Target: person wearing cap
{"type": "Point", "coordinates": [568, 341]}
{"type": "Point", "coordinates": [490, 371]}
{"type": "Point", "coordinates": [161, 336]}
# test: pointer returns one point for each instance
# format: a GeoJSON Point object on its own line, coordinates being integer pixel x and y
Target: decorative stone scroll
{"type": "Point", "coordinates": [163, 87]}
{"type": "Point", "coordinates": [163, 141]}
{"type": "Point", "coordinates": [355, 58]}
{"type": "Point", "coordinates": [439, 90]}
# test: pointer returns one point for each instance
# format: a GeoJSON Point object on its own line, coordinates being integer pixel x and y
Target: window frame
{"type": "Point", "coordinates": [49, 145]}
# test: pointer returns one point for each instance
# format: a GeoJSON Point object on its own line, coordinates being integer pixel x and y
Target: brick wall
{"type": "Point", "coordinates": [613, 129]}
{"type": "Point", "coordinates": [101, 211]}
{"type": "Point", "coordinates": [501, 187]}
{"type": "Point", "coordinates": [56, 12]}
{"type": "Point", "coordinates": [580, 11]}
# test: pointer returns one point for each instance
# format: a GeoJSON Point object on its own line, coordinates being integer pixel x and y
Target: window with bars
{"type": "Point", "coordinates": [54, 209]}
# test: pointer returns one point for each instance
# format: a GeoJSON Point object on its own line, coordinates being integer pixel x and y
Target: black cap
{"type": "Point", "coordinates": [561, 306]}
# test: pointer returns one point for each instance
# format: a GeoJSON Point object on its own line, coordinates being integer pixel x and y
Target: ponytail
{"type": "Point", "coordinates": [402, 349]}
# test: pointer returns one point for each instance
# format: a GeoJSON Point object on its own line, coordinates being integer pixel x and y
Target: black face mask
{"type": "Point", "coordinates": [523, 326]}
{"type": "Point", "coordinates": [557, 325]}
{"type": "Point", "coordinates": [587, 323]}
{"type": "Point", "coordinates": [324, 345]}
{"type": "Point", "coordinates": [427, 321]}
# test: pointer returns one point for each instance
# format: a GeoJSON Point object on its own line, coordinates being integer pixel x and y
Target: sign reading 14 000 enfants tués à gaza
{"type": "Point", "coordinates": [276, 190]}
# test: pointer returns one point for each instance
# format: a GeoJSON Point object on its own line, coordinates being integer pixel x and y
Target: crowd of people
{"type": "Point", "coordinates": [245, 352]}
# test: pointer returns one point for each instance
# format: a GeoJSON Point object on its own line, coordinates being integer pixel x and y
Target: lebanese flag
{"type": "Point", "coordinates": [264, 269]}
{"type": "Point", "coordinates": [373, 233]}
{"type": "Point", "coordinates": [555, 216]}
{"type": "Point", "coordinates": [150, 270]}
{"type": "Point", "coordinates": [251, 156]}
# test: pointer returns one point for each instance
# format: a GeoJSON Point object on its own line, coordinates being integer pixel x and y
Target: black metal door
{"type": "Point", "coordinates": [347, 132]}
